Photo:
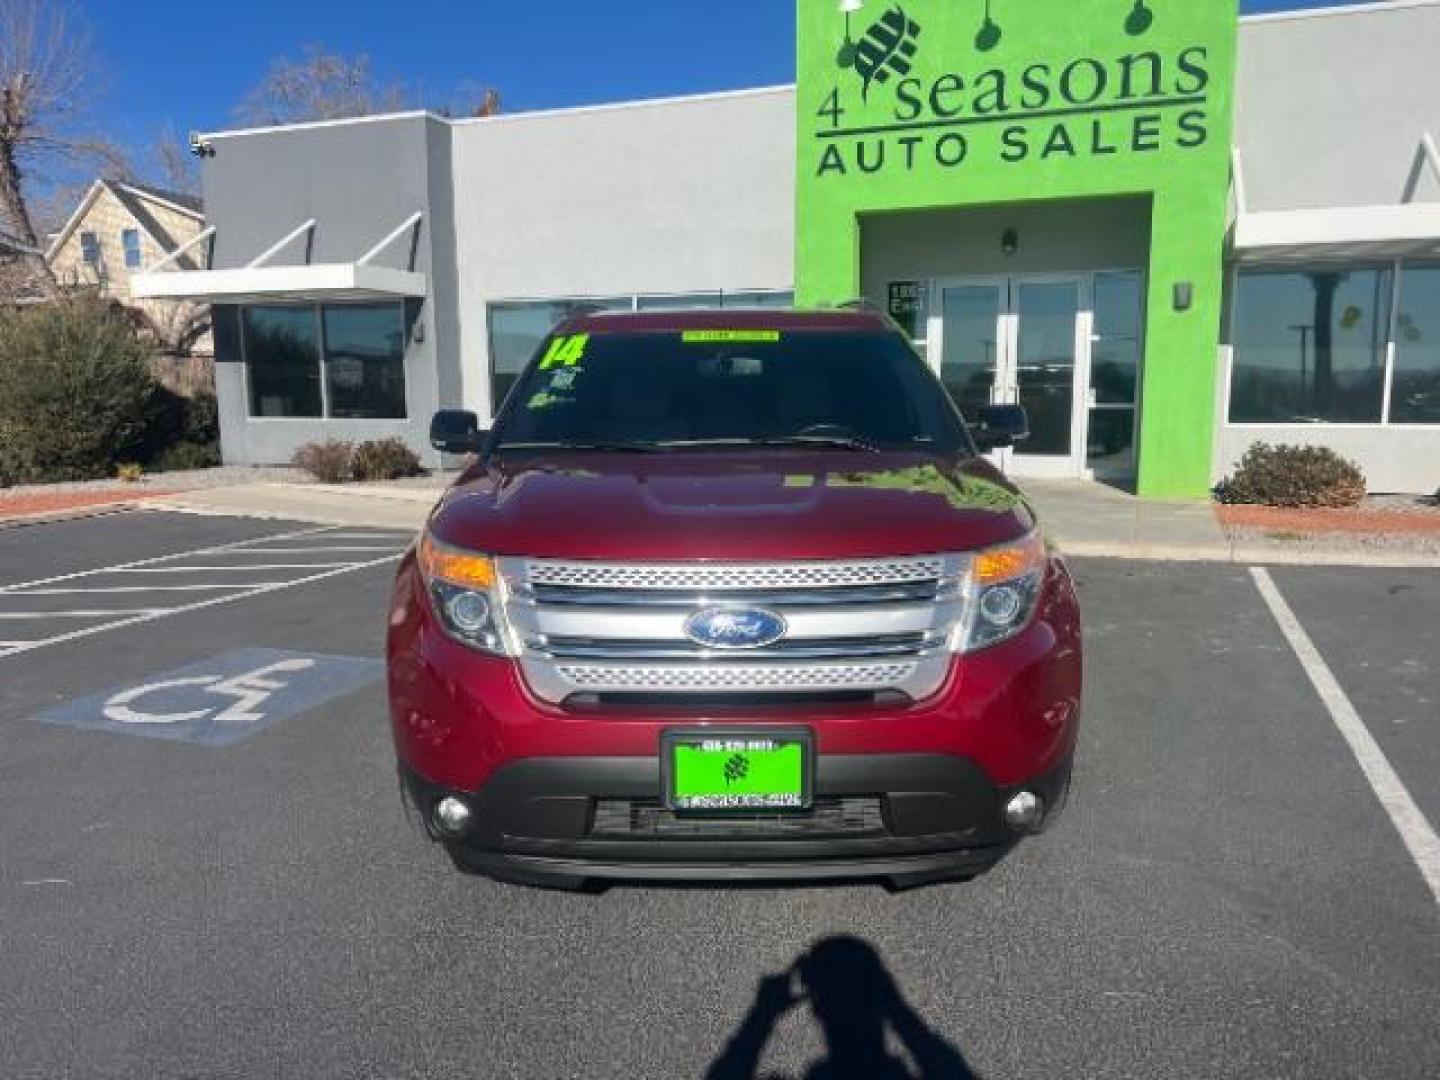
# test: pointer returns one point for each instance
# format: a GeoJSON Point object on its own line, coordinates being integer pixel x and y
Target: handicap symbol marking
{"type": "Point", "coordinates": [249, 691]}
{"type": "Point", "coordinates": [222, 700]}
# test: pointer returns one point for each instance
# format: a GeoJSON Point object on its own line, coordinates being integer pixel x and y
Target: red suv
{"type": "Point", "coordinates": [732, 595]}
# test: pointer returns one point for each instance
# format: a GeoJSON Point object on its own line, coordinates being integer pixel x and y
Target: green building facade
{"type": "Point", "coordinates": [1031, 134]}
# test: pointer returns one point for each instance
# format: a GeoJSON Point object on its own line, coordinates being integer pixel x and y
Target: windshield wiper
{"type": "Point", "coordinates": [838, 442]}
{"type": "Point", "coordinates": [618, 447]}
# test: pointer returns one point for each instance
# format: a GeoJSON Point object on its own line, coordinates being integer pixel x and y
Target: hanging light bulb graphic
{"type": "Point", "coordinates": [989, 34]}
{"type": "Point", "coordinates": [1140, 19]}
{"type": "Point", "coordinates": [848, 49]}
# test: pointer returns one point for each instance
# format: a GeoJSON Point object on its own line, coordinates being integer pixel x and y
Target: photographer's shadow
{"type": "Point", "coordinates": [857, 1004]}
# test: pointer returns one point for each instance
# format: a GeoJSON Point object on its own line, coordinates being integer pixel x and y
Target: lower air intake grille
{"type": "Point", "coordinates": [642, 819]}
{"type": "Point", "coordinates": [736, 677]}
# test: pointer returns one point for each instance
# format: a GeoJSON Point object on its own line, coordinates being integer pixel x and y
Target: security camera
{"type": "Point", "coordinates": [200, 146]}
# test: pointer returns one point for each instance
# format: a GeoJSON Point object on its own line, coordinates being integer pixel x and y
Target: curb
{"type": "Point", "coordinates": [79, 513]}
{"type": "Point", "coordinates": [1246, 555]}
{"type": "Point", "coordinates": [413, 495]}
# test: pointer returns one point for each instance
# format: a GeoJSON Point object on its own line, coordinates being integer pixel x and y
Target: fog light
{"type": "Point", "coordinates": [1025, 812]}
{"type": "Point", "coordinates": [452, 816]}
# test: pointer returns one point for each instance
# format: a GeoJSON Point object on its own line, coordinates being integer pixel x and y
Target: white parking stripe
{"type": "Point", "coordinates": [227, 569]}
{"type": "Point", "coordinates": [214, 601]}
{"type": "Point", "coordinates": [162, 558]}
{"type": "Point", "coordinates": [114, 589]}
{"type": "Point", "coordinates": [78, 614]}
{"type": "Point", "coordinates": [317, 547]}
{"type": "Point", "coordinates": [1405, 815]}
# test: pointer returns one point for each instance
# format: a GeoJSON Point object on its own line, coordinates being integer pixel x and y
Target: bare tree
{"type": "Point", "coordinates": [320, 85]}
{"type": "Point", "coordinates": [177, 167]}
{"type": "Point", "coordinates": [47, 74]}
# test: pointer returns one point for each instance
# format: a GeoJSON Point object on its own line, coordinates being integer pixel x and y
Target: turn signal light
{"type": "Point", "coordinates": [465, 568]}
{"type": "Point", "coordinates": [1009, 562]}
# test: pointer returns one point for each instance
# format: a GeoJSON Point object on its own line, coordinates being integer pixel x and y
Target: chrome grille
{"type": "Point", "coordinates": [858, 625]}
{"type": "Point", "coordinates": [615, 678]}
{"type": "Point", "coordinates": [706, 577]}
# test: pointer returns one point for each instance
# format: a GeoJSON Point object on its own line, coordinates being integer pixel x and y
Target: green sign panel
{"type": "Point", "coordinates": [935, 104]}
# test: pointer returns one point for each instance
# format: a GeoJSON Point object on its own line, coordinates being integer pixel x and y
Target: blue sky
{"type": "Point", "coordinates": [188, 64]}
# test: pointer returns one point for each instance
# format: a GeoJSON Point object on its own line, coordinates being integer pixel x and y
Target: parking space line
{"type": "Point", "coordinates": [317, 547]}
{"type": "Point", "coordinates": [249, 591]}
{"type": "Point", "coordinates": [238, 566]}
{"type": "Point", "coordinates": [96, 571]}
{"type": "Point", "coordinates": [117, 589]}
{"type": "Point", "coordinates": [1405, 815]}
{"type": "Point", "coordinates": [84, 614]}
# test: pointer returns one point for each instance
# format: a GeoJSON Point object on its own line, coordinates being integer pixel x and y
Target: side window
{"type": "Point", "coordinates": [90, 248]}
{"type": "Point", "coordinates": [130, 242]}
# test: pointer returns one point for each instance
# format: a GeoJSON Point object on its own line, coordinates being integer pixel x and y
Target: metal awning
{"type": "Point", "coordinates": [1351, 233]}
{"type": "Point", "coordinates": [258, 281]}
{"type": "Point", "coordinates": [247, 285]}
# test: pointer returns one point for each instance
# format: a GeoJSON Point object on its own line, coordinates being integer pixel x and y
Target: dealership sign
{"type": "Point", "coordinates": [891, 106]}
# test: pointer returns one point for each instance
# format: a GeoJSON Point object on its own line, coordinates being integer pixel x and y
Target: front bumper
{"type": "Point", "coordinates": [910, 818]}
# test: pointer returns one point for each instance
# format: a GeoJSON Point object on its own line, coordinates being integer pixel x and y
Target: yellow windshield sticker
{"type": "Point", "coordinates": [565, 351]}
{"type": "Point", "coordinates": [710, 337]}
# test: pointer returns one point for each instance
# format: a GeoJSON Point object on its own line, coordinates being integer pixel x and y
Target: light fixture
{"type": "Point", "coordinates": [1140, 19]}
{"type": "Point", "coordinates": [989, 35]}
{"type": "Point", "coordinates": [1009, 242]}
{"type": "Point", "coordinates": [848, 50]}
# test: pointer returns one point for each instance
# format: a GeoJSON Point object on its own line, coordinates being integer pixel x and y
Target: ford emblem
{"type": "Point", "coordinates": [734, 628]}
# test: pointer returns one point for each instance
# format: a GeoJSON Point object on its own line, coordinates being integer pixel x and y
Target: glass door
{"type": "Point", "coordinates": [1047, 329]}
{"type": "Point", "coordinates": [1008, 340]}
{"type": "Point", "coordinates": [1117, 343]}
{"type": "Point", "coordinates": [971, 335]}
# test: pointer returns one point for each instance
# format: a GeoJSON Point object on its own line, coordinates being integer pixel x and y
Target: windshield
{"type": "Point", "coordinates": [675, 389]}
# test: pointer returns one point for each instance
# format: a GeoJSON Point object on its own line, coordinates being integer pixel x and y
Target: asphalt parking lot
{"type": "Point", "coordinates": [1227, 895]}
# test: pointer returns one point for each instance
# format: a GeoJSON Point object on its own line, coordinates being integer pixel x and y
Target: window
{"type": "Point", "coordinates": [363, 350]}
{"type": "Point", "coordinates": [516, 329]}
{"type": "Point", "coordinates": [90, 248]}
{"type": "Point", "coordinates": [1415, 385]}
{"type": "Point", "coordinates": [130, 241]}
{"type": "Point", "coordinates": [1310, 345]}
{"type": "Point", "coordinates": [365, 361]}
{"type": "Point", "coordinates": [282, 351]}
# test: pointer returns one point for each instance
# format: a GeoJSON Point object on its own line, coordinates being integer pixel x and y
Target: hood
{"type": "Point", "coordinates": [748, 504]}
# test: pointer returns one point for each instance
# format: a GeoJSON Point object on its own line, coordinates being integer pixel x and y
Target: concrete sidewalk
{"type": "Point", "coordinates": [1085, 519]}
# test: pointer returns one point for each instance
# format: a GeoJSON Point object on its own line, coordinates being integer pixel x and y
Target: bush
{"type": "Point", "coordinates": [385, 459]}
{"type": "Point", "coordinates": [330, 462]}
{"type": "Point", "coordinates": [1293, 476]}
{"type": "Point", "coordinates": [187, 455]}
{"type": "Point", "coordinates": [75, 390]}
{"type": "Point", "coordinates": [130, 472]}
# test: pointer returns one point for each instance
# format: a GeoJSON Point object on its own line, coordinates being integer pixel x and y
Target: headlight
{"type": "Point", "coordinates": [465, 592]}
{"type": "Point", "coordinates": [1001, 591]}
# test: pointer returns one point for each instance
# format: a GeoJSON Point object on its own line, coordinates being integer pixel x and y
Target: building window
{"type": "Point", "coordinates": [516, 329]}
{"type": "Point", "coordinates": [1415, 384]}
{"type": "Point", "coordinates": [365, 361]}
{"type": "Point", "coordinates": [358, 348]}
{"type": "Point", "coordinates": [1310, 345]}
{"type": "Point", "coordinates": [282, 354]}
{"type": "Point", "coordinates": [90, 248]}
{"type": "Point", "coordinates": [130, 241]}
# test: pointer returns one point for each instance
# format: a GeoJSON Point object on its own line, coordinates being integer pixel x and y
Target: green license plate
{"type": "Point", "coordinates": [737, 770]}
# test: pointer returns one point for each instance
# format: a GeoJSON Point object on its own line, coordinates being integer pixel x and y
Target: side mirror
{"type": "Point", "coordinates": [1001, 426]}
{"type": "Point", "coordinates": [456, 431]}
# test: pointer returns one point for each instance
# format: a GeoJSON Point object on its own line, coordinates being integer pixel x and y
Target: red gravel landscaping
{"type": "Point", "coordinates": [1421, 521]}
{"type": "Point", "coordinates": [19, 503]}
